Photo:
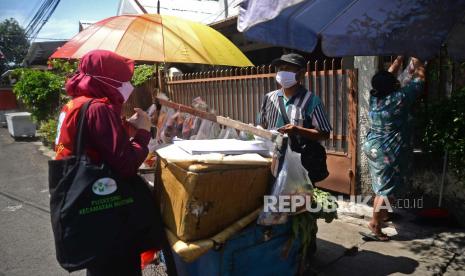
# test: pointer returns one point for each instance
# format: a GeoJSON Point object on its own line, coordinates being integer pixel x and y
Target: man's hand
{"type": "Point", "coordinates": [288, 129]}
{"type": "Point", "coordinates": [140, 120]}
{"type": "Point", "coordinates": [310, 133]}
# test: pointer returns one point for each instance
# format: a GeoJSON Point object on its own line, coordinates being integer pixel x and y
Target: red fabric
{"type": "Point", "coordinates": [147, 258]}
{"type": "Point", "coordinates": [106, 137]}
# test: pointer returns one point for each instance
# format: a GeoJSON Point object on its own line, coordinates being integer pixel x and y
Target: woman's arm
{"type": "Point", "coordinates": [107, 136]}
{"type": "Point", "coordinates": [396, 64]}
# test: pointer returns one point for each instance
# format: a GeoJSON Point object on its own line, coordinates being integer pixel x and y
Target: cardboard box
{"type": "Point", "coordinates": [199, 200]}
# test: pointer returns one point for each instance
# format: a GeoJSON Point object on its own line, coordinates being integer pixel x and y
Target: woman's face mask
{"type": "Point", "coordinates": [125, 89]}
{"type": "Point", "coordinates": [286, 78]}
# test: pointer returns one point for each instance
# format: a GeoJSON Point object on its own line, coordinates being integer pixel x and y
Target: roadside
{"type": "Point", "coordinates": [27, 241]}
{"type": "Point", "coordinates": [26, 237]}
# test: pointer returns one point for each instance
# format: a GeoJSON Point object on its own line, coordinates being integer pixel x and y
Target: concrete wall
{"type": "Point", "coordinates": [367, 67]}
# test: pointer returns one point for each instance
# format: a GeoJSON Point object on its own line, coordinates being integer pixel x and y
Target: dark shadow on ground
{"type": "Point", "coordinates": [26, 139]}
{"type": "Point", "coordinates": [334, 259]}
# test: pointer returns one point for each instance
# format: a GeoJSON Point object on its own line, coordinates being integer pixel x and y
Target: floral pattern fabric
{"type": "Point", "coordinates": [387, 143]}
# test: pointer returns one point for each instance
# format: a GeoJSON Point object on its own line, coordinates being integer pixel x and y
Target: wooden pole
{"type": "Point", "coordinates": [220, 119]}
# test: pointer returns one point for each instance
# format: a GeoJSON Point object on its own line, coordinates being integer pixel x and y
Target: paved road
{"type": "Point", "coordinates": [26, 241]}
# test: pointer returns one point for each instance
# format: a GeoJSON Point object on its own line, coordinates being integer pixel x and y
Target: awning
{"type": "Point", "coordinates": [358, 27]}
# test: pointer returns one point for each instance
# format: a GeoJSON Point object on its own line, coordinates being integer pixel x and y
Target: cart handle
{"type": "Point", "coordinates": [220, 119]}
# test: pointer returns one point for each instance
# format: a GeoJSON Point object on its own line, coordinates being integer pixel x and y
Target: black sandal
{"type": "Point", "coordinates": [373, 237]}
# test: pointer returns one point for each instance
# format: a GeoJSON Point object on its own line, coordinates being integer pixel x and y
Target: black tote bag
{"type": "Point", "coordinates": [94, 212]}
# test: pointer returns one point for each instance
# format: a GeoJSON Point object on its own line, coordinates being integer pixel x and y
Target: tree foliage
{"type": "Point", "coordinates": [13, 43]}
{"type": "Point", "coordinates": [39, 91]}
{"type": "Point", "coordinates": [445, 130]}
{"type": "Point", "coordinates": [142, 73]}
{"type": "Point", "coordinates": [63, 67]}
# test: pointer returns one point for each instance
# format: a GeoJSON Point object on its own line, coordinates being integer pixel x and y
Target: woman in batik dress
{"type": "Point", "coordinates": [387, 143]}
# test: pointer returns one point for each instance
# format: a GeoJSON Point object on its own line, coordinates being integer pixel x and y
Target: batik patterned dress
{"type": "Point", "coordinates": [387, 144]}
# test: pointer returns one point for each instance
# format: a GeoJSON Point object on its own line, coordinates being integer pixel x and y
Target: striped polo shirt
{"type": "Point", "coordinates": [303, 109]}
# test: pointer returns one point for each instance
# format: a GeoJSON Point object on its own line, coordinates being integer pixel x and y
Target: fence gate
{"type": "Point", "coordinates": [238, 94]}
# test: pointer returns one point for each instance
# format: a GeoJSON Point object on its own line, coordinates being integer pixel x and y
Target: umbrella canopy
{"type": "Point", "coordinates": [358, 27]}
{"type": "Point", "coordinates": [155, 38]}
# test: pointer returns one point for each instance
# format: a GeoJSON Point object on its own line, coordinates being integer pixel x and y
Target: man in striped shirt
{"type": "Point", "coordinates": [304, 110]}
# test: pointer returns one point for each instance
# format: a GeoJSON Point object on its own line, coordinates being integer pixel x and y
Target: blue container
{"type": "Point", "coordinates": [256, 250]}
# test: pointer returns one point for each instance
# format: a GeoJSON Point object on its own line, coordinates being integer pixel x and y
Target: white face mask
{"type": "Point", "coordinates": [125, 89]}
{"type": "Point", "coordinates": [286, 79]}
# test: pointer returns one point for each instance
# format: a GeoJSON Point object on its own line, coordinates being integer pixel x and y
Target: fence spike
{"type": "Point", "coordinates": [333, 64]}
{"type": "Point", "coordinates": [316, 65]}
{"type": "Point", "coordinates": [325, 65]}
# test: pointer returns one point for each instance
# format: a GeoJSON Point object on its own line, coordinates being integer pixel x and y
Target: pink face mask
{"type": "Point", "coordinates": [125, 89]}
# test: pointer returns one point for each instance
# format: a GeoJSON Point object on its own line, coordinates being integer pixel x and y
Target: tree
{"type": "Point", "coordinates": [13, 44]}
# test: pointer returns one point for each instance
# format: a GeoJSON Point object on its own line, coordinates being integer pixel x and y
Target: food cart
{"type": "Point", "coordinates": [210, 204]}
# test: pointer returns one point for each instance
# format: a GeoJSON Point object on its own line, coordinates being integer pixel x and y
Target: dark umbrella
{"type": "Point", "coordinates": [358, 27]}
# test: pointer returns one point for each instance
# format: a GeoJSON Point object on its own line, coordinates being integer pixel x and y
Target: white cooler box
{"type": "Point", "coordinates": [20, 124]}
{"type": "Point", "coordinates": [3, 116]}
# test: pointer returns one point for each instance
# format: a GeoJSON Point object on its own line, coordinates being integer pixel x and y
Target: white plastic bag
{"type": "Point", "coordinates": [292, 180]}
{"type": "Point", "coordinates": [266, 143]}
{"type": "Point", "coordinates": [230, 133]}
{"type": "Point", "coordinates": [215, 131]}
{"type": "Point", "coordinates": [164, 134]}
{"type": "Point", "coordinates": [406, 76]}
{"type": "Point", "coordinates": [204, 130]}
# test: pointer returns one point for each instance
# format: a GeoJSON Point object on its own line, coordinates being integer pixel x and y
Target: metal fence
{"type": "Point", "coordinates": [238, 93]}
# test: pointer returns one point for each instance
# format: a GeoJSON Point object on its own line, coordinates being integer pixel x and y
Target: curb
{"type": "Point", "coordinates": [45, 150]}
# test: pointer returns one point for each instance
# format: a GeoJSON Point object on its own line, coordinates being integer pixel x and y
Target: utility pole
{"type": "Point", "coordinates": [226, 6]}
{"type": "Point", "coordinates": [140, 6]}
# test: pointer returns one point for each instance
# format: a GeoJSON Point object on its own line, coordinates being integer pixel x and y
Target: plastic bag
{"type": "Point", "coordinates": [215, 131]}
{"type": "Point", "coordinates": [207, 130]}
{"type": "Point", "coordinates": [188, 127]}
{"type": "Point", "coordinates": [161, 120]}
{"type": "Point", "coordinates": [197, 123]}
{"type": "Point", "coordinates": [407, 75]}
{"type": "Point", "coordinates": [266, 143]}
{"type": "Point", "coordinates": [228, 133]}
{"type": "Point", "coordinates": [245, 135]}
{"type": "Point", "coordinates": [292, 180]}
{"type": "Point", "coordinates": [173, 127]}
{"type": "Point", "coordinates": [204, 130]}
{"type": "Point", "coordinates": [152, 109]}
{"type": "Point", "coordinates": [165, 121]}
{"type": "Point", "coordinates": [199, 103]}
